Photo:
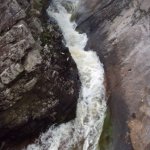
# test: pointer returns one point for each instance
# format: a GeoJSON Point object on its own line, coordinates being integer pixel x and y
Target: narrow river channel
{"type": "Point", "coordinates": [84, 131]}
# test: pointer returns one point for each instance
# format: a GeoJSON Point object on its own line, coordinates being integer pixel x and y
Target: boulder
{"type": "Point", "coordinates": [39, 83]}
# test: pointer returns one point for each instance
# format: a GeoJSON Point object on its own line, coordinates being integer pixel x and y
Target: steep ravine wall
{"type": "Point", "coordinates": [119, 30]}
{"type": "Point", "coordinates": [39, 82]}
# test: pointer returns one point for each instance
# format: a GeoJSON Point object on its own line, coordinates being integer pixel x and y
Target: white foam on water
{"type": "Point", "coordinates": [84, 131]}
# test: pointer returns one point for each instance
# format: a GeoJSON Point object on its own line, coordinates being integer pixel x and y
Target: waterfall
{"type": "Point", "coordinates": [84, 131]}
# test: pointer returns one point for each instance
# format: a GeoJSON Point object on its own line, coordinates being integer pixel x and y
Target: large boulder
{"type": "Point", "coordinates": [119, 30]}
{"type": "Point", "coordinates": [39, 82]}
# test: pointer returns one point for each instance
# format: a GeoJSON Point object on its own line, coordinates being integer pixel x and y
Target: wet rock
{"type": "Point", "coordinates": [119, 31]}
{"type": "Point", "coordinates": [39, 82]}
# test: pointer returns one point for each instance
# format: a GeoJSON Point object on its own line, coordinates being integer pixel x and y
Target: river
{"type": "Point", "coordinates": [84, 131]}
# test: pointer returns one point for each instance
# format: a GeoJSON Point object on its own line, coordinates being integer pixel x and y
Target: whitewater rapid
{"type": "Point", "coordinates": [84, 131]}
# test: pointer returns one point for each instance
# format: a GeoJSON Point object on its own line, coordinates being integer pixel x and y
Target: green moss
{"type": "Point", "coordinates": [38, 4]}
{"type": "Point", "coordinates": [73, 17]}
{"type": "Point", "coordinates": [106, 137]}
{"type": "Point", "coordinates": [35, 8]}
{"type": "Point", "coordinates": [45, 38]}
{"type": "Point", "coordinates": [50, 34]}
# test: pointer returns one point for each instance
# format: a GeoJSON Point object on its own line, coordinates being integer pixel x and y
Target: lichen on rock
{"type": "Point", "coordinates": [39, 82]}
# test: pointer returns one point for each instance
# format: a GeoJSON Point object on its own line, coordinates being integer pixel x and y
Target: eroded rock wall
{"type": "Point", "coordinates": [119, 30]}
{"type": "Point", "coordinates": [39, 82]}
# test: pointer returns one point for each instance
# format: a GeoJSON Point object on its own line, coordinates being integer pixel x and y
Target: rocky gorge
{"type": "Point", "coordinates": [39, 80]}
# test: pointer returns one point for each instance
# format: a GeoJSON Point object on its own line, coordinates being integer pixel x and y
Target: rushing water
{"type": "Point", "coordinates": [84, 132]}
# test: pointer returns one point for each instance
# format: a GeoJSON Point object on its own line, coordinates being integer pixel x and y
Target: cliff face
{"type": "Point", "coordinates": [119, 30]}
{"type": "Point", "coordinates": [39, 82]}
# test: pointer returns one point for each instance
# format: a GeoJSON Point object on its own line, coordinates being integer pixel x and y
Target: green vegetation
{"type": "Point", "coordinates": [37, 4]}
{"type": "Point", "coordinates": [46, 37]}
{"type": "Point", "coordinates": [106, 137]}
{"type": "Point", "coordinates": [73, 17]}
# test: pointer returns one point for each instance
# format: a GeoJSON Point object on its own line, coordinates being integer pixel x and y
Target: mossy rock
{"type": "Point", "coordinates": [38, 4]}
{"type": "Point", "coordinates": [106, 136]}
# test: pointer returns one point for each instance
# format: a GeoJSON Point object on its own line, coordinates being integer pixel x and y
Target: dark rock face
{"type": "Point", "coordinates": [39, 82]}
{"type": "Point", "coordinates": [119, 30]}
